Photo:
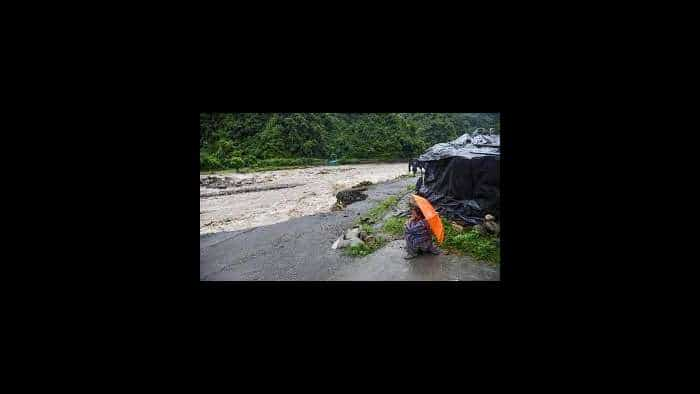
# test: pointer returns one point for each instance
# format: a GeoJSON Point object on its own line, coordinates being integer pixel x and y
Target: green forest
{"type": "Point", "coordinates": [237, 140]}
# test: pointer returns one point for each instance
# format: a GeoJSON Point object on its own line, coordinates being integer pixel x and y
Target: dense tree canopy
{"type": "Point", "coordinates": [234, 140]}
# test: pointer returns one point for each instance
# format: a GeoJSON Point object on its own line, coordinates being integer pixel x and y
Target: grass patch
{"type": "Point", "coordinates": [377, 239]}
{"type": "Point", "coordinates": [394, 226]}
{"type": "Point", "coordinates": [378, 211]}
{"type": "Point", "coordinates": [411, 187]}
{"type": "Point", "coordinates": [367, 228]}
{"type": "Point", "coordinates": [481, 247]}
{"type": "Point", "coordinates": [368, 247]}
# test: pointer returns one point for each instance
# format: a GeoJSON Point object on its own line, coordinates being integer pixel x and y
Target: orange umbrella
{"type": "Point", "coordinates": [431, 217]}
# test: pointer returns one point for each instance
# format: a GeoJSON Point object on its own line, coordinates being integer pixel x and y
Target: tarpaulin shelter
{"type": "Point", "coordinates": [462, 177]}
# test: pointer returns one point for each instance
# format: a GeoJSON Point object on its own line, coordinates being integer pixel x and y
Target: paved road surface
{"type": "Point", "coordinates": [300, 249]}
{"type": "Point", "coordinates": [388, 264]}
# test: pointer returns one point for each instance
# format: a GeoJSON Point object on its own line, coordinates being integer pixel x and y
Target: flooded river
{"type": "Point", "coordinates": [311, 190]}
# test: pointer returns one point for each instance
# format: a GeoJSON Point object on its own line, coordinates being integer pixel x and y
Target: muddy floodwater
{"type": "Point", "coordinates": [293, 193]}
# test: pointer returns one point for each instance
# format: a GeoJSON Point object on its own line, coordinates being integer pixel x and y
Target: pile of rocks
{"type": "Point", "coordinates": [349, 238]}
{"type": "Point", "coordinates": [349, 196]}
{"type": "Point", "coordinates": [214, 182]}
{"type": "Point", "coordinates": [488, 227]}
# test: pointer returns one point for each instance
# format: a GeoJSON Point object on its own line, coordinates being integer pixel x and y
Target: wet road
{"type": "Point", "coordinates": [300, 249]}
{"type": "Point", "coordinates": [388, 264]}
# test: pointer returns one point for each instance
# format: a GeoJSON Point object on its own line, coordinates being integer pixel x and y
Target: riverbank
{"type": "Point", "coordinates": [320, 163]}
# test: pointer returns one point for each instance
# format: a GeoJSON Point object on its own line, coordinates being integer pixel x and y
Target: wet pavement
{"type": "Point", "coordinates": [388, 264]}
{"type": "Point", "coordinates": [300, 249]}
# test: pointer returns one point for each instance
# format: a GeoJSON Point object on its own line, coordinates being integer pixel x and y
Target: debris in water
{"type": "Point", "coordinates": [349, 196]}
{"type": "Point", "coordinates": [248, 190]}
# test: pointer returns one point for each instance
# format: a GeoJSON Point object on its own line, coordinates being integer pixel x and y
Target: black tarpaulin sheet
{"type": "Point", "coordinates": [467, 146]}
{"type": "Point", "coordinates": [462, 184]}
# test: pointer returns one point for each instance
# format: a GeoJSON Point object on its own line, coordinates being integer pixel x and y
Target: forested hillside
{"type": "Point", "coordinates": [235, 140]}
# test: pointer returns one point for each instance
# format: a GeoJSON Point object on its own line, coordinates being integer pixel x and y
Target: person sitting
{"type": "Point", "coordinates": [418, 238]}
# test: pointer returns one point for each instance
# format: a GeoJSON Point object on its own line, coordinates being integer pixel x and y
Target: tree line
{"type": "Point", "coordinates": [235, 140]}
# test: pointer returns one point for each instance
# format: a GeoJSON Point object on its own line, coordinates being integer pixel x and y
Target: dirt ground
{"type": "Point", "coordinates": [316, 194]}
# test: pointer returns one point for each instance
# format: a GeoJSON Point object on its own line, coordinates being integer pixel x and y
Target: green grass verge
{"type": "Point", "coordinates": [378, 211]}
{"type": "Point", "coordinates": [377, 239]}
{"type": "Point", "coordinates": [367, 228]}
{"type": "Point", "coordinates": [481, 247]}
{"type": "Point", "coordinates": [394, 226]}
{"type": "Point", "coordinates": [368, 247]}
